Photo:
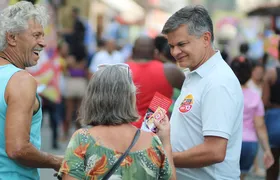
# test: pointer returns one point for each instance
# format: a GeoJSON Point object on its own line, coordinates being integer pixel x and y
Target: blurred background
{"type": "Point", "coordinates": [88, 25]}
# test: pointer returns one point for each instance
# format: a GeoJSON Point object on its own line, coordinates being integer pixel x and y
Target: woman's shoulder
{"type": "Point", "coordinates": [154, 139]}
{"type": "Point", "coordinates": [81, 132]}
{"type": "Point", "coordinates": [81, 135]}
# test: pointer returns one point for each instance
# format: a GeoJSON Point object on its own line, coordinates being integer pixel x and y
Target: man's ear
{"type": "Point", "coordinates": [207, 38]}
{"type": "Point", "coordinates": [11, 39]}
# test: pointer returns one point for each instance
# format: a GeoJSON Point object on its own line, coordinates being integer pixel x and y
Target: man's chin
{"type": "Point", "coordinates": [33, 63]}
{"type": "Point", "coordinates": [183, 65]}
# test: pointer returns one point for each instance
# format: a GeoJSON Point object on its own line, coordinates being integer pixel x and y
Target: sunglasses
{"type": "Point", "coordinates": [123, 65]}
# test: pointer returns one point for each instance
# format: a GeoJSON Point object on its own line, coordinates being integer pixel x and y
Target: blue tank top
{"type": "Point", "coordinates": [10, 169]}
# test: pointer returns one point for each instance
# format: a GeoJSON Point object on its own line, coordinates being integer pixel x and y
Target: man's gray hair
{"type": "Point", "coordinates": [110, 98]}
{"type": "Point", "coordinates": [195, 17]}
{"type": "Point", "coordinates": [14, 19]}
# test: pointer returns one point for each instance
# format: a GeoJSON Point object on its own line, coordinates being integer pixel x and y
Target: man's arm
{"type": "Point", "coordinates": [174, 75]}
{"type": "Point", "coordinates": [20, 96]}
{"type": "Point", "coordinates": [212, 151]}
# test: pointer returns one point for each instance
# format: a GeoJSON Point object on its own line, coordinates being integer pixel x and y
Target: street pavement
{"type": "Point", "coordinates": [47, 174]}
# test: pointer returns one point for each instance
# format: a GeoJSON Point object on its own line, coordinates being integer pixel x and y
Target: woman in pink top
{"type": "Point", "coordinates": [254, 128]}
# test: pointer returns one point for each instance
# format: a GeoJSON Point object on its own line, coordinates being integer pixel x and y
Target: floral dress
{"type": "Point", "coordinates": [86, 160]}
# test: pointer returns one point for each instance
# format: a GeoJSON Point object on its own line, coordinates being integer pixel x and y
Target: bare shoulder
{"type": "Point", "coordinates": [21, 85]}
{"type": "Point", "coordinates": [23, 77]}
{"type": "Point", "coordinates": [148, 136]}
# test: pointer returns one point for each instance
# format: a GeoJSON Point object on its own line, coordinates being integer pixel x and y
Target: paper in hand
{"type": "Point", "coordinates": [156, 111]}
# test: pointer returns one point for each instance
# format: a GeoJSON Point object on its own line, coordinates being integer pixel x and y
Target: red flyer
{"type": "Point", "coordinates": [156, 111]}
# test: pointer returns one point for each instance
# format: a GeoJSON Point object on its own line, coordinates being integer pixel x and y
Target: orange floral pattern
{"type": "Point", "coordinates": [162, 156]}
{"type": "Point", "coordinates": [99, 167]}
{"type": "Point", "coordinates": [81, 150]}
{"type": "Point", "coordinates": [154, 157]}
{"type": "Point", "coordinates": [93, 163]}
{"type": "Point", "coordinates": [64, 167]}
{"type": "Point", "coordinates": [127, 161]}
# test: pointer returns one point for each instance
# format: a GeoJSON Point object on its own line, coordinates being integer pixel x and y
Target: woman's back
{"type": "Point", "coordinates": [92, 152]}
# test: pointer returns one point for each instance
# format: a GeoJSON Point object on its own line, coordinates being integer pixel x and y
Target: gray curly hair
{"type": "Point", "coordinates": [14, 19]}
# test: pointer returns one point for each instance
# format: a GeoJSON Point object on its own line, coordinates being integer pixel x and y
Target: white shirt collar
{"type": "Point", "coordinates": [209, 64]}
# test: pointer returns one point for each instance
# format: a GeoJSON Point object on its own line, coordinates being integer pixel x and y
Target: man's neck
{"type": "Point", "coordinates": [6, 56]}
{"type": "Point", "coordinates": [207, 56]}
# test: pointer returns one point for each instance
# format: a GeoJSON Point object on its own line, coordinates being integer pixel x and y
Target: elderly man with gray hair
{"type": "Point", "coordinates": [206, 123]}
{"type": "Point", "coordinates": [21, 40]}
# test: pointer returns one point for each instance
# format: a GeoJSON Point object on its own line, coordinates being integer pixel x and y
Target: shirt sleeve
{"type": "Point", "coordinates": [220, 110]}
{"type": "Point", "coordinates": [259, 108]}
{"type": "Point", "coordinates": [165, 171]}
{"type": "Point", "coordinates": [73, 163]}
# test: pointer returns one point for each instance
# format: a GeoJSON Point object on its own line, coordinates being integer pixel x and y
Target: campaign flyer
{"type": "Point", "coordinates": [156, 111]}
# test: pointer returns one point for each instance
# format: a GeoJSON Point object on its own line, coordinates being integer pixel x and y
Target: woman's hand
{"type": "Point", "coordinates": [268, 159]}
{"type": "Point", "coordinates": [163, 130]}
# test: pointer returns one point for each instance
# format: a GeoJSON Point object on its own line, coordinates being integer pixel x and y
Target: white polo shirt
{"type": "Point", "coordinates": [210, 104]}
{"type": "Point", "coordinates": [103, 57]}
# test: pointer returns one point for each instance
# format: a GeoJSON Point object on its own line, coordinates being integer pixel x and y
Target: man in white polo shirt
{"type": "Point", "coordinates": [206, 123]}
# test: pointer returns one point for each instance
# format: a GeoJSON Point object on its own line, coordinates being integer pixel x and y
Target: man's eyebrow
{"type": "Point", "coordinates": [39, 33]}
{"type": "Point", "coordinates": [181, 42]}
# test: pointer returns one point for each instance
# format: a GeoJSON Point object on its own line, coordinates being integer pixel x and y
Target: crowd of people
{"type": "Point", "coordinates": [222, 111]}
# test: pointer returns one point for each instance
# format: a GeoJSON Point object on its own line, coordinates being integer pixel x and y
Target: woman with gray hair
{"type": "Point", "coordinates": [108, 108]}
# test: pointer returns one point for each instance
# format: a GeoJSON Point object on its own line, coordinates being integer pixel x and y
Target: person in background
{"type": "Point", "coordinates": [60, 61]}
{"type": "Point", "coordinates": [21, 41]}
{"type": "Point", "coordinates": [164, 55]}
{"type": "Point", "coordinates": [77, 71]}
{"type": "Point", "coordinates": [254, 128]}
{"type": "Point", "coordinates": [151, 76]}
{"type": "Point", "coordinates": [206, 123]}
{"type": "Point", "coordinates": [160, 43]}
{"type": "Point", "coordinates": [52, 95]}
{"type": "Point", "coordinates": [225, 55]}
{"type": "Point", "coordinates": [255, 83]}
{"type": "Point", "coordinates": [108, 108]}
{"type": "Point", "coordinates": [271, 100]}
{"type": "Point", "coordinates": [77, 36]}
{"type": "Point", "coordinates": [256, 80]}
{"type": "Point", "coordinates": [107, 55]}
{"type": "Point", "coordinates": [243, 49]}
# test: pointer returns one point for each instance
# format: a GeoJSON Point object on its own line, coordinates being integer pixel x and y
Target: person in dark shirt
{"type": "Point", "coordinates": [77, 47]}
